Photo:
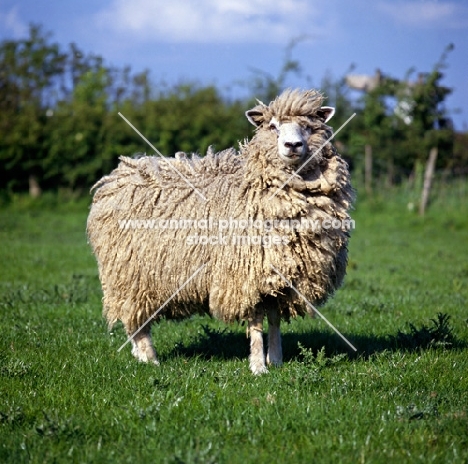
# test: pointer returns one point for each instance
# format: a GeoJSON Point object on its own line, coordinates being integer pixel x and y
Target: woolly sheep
{"type": "Point", "coordinates": [143, 263]}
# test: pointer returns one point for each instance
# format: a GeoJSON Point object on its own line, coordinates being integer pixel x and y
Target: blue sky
{"type": "Point", "coordinates": [220, 41]}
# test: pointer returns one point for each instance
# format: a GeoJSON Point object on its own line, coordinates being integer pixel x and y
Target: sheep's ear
{"type": "Point", "coordinates": [326, 113]}
{"type": "Point", "coordinates": [255, 115]}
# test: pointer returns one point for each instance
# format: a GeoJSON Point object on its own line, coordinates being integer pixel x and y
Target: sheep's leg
{"type": "Point", "coordinates": [257, 353]}
{"type": "Point", "coordinates": [275, 352]}
{"type": "Point", "coordinates": [142, 346]}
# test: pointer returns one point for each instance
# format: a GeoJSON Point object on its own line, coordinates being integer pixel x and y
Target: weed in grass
{"type": "Point", "coordinates": [12, 416]}
{"type": "Point", "coordinates": [319, 360]}
{"type": "Point", "coordinates": [439, 334]}
{"type": "Point", "coordinates": [430, 409]}
{"type": "Point", "coordinates": [58, 428]}
{"type": "Point", "coordinates": [13, 367]}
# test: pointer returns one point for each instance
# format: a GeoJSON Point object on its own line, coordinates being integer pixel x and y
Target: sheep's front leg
{"type": "Point", "coordinates": [275, 352]}
{"type": "Point", "coordinates": [257, 353]}
{"type": "Point", "coordinates": [142, 346]}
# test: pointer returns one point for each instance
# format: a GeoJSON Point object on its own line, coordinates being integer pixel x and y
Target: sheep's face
{"type": "Point", "coordinates": [292, 140]}
{"type": "Point", "coordinates": [292, 136]}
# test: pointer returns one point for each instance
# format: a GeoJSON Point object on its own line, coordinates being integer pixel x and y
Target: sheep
{"type": "Point", "coordinates": [256, 259]}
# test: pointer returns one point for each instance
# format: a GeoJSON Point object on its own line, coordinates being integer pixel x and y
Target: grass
{"type": "Point", "coordinates": [66, 395]}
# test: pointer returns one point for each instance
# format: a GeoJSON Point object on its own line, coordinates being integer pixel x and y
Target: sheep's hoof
{"type": "Point", "coordinates": [142, 357]}
{"type": "Point", "coordinates": [276, 363]}
{"type": "Point", "coordinates": [146, 355]}
{"type": "Point", "coordinates": [148, 360]}
{"type": "Point", "coordinates": [258, 369]}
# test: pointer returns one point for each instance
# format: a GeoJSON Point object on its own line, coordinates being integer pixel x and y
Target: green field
{"type": "Point", "coordinates": [67, 395]}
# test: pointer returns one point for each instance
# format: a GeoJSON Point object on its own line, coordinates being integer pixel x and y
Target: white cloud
{"type": "Point", "coordinates": [427, 13]}
{"type": "Point", "coordinates": [211, 20]}
{"type": "Point", "coordinates": [12, 24]}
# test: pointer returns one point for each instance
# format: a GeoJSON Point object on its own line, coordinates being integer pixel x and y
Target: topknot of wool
{"type": "Point", "coordinates": [294, 102]}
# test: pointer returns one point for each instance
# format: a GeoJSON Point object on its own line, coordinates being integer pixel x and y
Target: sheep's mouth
{"type": "Point", "coordinates": [292, 158]}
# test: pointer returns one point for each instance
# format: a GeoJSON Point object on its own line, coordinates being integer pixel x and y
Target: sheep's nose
{"type": "Point", "coordinates": [293, 145]}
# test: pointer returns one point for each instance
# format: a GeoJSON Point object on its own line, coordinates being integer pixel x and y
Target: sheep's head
{"type": "Point", "coordinates": [293, 117]}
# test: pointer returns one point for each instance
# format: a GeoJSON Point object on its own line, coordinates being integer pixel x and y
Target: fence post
{"type": "Point", "coordinates": [34, 187]}
{"type": "Point", "coordinates": [368, 167]}
{"type": "Point", "coordinates": [428, 175]}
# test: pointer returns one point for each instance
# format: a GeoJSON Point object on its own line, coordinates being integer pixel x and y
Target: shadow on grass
{"type": "Point", "coordinates": [225, 344]}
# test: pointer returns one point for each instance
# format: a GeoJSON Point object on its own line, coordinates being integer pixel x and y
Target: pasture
{"type": "Point", "coordinates": [67, 395]}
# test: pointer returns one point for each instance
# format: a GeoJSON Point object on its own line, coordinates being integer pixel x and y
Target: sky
{"type": "Point", "coordinates": [223, 42]}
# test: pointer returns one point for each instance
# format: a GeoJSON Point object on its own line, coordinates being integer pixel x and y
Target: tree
{"type": "Point", "coordinates": [28, 85]}
{"type": "Point", "coordinates": [77, 132]}
{"type": "Point", "coordinates": [190, 118]}
{"type": "Point", "coordinates": [426, 119]}
{"type": "Point", "coordinates": [401, 120]}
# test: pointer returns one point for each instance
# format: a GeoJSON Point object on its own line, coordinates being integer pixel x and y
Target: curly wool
{"type": "Point", "coordinates": [293, 102]}
{"type": "Point", "coordinates": [140, 269]}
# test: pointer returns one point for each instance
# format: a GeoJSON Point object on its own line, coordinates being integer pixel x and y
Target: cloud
{"type": "Point", "coordinates": [12, 25]}
{"type": "Point", "coordinates": [211, 20]}
{"type": "Point", "coordinates": [427, 13]}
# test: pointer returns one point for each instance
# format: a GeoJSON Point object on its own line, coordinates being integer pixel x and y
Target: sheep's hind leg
{"type": "Point", "coordinates": [257, 353]}
{"type": "Point", "coordinates": [142, 346]}
{"type": "Point", "coordinates": [275, 352]}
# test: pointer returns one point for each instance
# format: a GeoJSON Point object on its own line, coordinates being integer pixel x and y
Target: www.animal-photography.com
{"type": "Point", "coordinates": [233, 232]}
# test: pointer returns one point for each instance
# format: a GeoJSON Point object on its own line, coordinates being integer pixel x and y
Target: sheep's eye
{"type": "Point", "coordinates": [273, 128]}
